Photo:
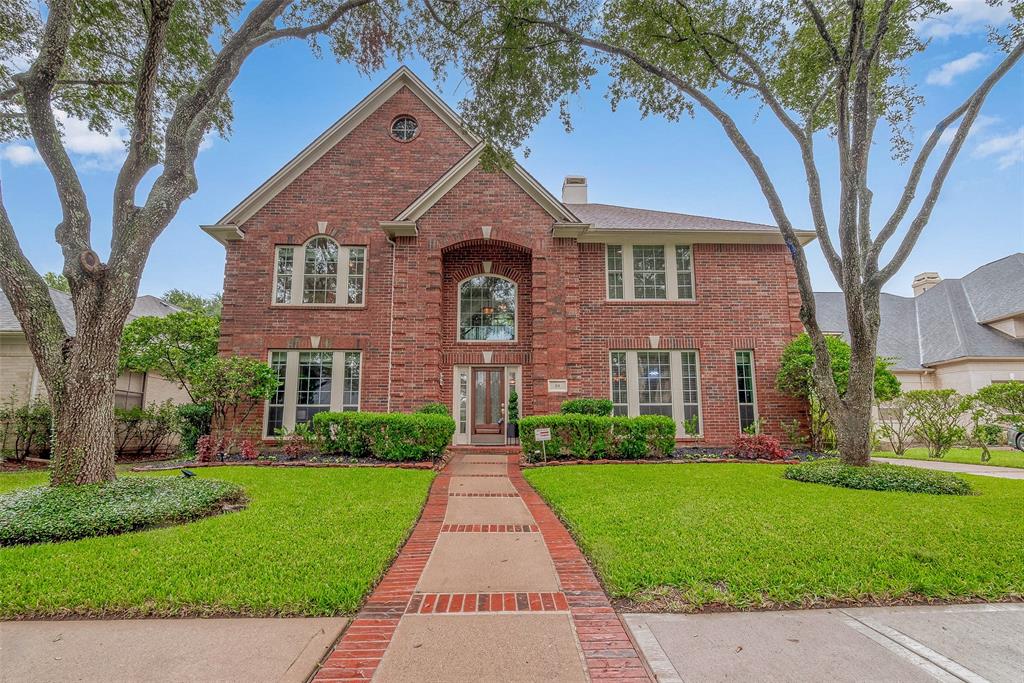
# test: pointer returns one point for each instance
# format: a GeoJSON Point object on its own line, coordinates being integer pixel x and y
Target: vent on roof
{"type": "Point", "coordinates": [574, 189]}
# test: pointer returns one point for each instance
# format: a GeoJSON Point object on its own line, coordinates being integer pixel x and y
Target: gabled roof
{"type": "Point", "coordinates": [556, 209]}
{"type": "Point", "coordinates": [947, 321]}
{"type": "Point", "coordinates": [226, 229]}
{"type": "Point", "coordinates": [145, 305]}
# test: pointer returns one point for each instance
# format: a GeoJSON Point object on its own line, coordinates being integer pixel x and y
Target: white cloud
{"type": "Point", "coordinates": [948, 72]}
{"type": "Point", "coordinates": [982, 122]}
{"type": "Point", "coordinates": [1007, 149]}
{"type": "Point", "coordinates": [20, 155]}
{"type": "Point", "coordinates": [964, 17]}
{"type": "Point", "coordinates": [79, 139]}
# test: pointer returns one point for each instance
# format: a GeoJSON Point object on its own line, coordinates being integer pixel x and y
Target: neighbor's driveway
{"type": "Point", "coordinates": [280, 650]}
{"type": "Point", "coordinates": [963, 468]}
{"type": "Point", "coordinates": [952, 643]}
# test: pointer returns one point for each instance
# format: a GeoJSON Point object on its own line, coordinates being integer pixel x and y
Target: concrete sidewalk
{"type": "Point", "coordinates": [963, 468]}
{"type": "Point", "coordinates": [952, 643]}
{"type": "Point", "coordinates": [251, 650]}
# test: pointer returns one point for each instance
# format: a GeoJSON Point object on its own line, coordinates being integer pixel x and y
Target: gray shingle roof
{"type": "Point", "coordinates": [947, 321]}
{"type": "Point", "coordinates": [610, 217]}
{"type": "Point", "coordinates": [144, 305]}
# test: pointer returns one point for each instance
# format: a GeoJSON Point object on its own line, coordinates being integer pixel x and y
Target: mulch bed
{"type": "Point", "coordinates": [348, 462]}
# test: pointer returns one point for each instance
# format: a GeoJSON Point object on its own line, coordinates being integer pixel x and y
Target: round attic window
{"type": "Point", "coordinates": [404, 128]}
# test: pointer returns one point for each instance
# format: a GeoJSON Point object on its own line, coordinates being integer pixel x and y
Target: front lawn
{"type": "Point", "coordinates": [970, 456]}
{"type": "Point", "coordinates": [311, 542]}
{"type": "Point", "coordinates": [742, 536]}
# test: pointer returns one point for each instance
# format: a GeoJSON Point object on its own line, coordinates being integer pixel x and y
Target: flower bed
{"type": "Point", "coordinates": [879, 477]}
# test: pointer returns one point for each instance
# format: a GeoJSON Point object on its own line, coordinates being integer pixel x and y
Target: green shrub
{"type": "Point", "coordinates": [878, 477]}
{"type": "Point", "coordinates": [385, 436]}
{"type": "Point", "coordinates": [587, 406]}
{"type": "Point", "coordinates": [434, 409]}
{"type": "Point", "coordinates": [25, 428]}
{"type": "Point", "coordinates": [193, 422]}
{"type": "Point", "coordinates": [938, 414]}
{"type": "Point", "coordinates": [64, 513]}
{"type": "Point", "coordinates": [587, 437]}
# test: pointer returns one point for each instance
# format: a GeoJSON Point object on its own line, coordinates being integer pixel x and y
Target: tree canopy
{"type": "Point", "coordinates": [173, 346]}
{"type": "Point", "coordinates": [795, 376]}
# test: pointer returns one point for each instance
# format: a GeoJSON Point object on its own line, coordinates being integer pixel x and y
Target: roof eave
{"type": "Point", "coordinates": [395, 229]}
{"type": "Point", "coordinates": [595, 234]}
{"type": "Point", "coordinates": [224, 233]}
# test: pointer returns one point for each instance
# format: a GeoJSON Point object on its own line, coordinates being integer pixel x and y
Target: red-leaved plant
{"type": "Point", "coordinates": [758, 447]}
{"type": "Point", "coordinates": [207, 448]}
{"type": "Point", "coordinates": [248, 450]}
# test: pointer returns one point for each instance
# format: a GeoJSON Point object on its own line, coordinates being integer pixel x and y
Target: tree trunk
{"type": "Point", "coordinates": [853, 434]}
{"type": "Point", "coordinates": [84, 443]}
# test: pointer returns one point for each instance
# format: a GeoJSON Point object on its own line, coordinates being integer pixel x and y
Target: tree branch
{"type": "Point", "coordinates": [312, 29]}
{"type": "Point", "coordinates": [969, 109]}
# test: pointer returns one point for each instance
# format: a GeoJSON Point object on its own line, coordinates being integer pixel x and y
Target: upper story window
{"type": "Point", "coordinates": [487, 309]}
{"type": "Point", "coordinates": [330, 274]}
{"type": "Point", "coordinates": [649, 271]}
{"type": "Point", "coordinates": [404, 128]}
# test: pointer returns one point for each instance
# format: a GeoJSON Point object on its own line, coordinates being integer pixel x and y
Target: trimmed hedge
{"type": "Point", "coordinates": [433, 409]}
{"type": "Point", "coordinates": [590, 437]}
{"type": "Point", "coordinates": [65, 513]}
{"type": "Point", "coordinates": [385, 436]}
{"type": "Point", "coordinates": [879, 477]}
{"type": "Point", "coordinates": [587, 406]}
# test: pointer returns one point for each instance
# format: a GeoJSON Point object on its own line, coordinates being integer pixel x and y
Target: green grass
{"type": "Point", "coordinates": [311, 542]}
{"type": "Point", "coordinates": [970, 456]}
{"type": "Point", "coordinates": [743, 536]}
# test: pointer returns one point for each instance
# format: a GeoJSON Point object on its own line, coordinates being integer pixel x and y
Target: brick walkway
{"type": "Point", "coordinates": [490, 586]}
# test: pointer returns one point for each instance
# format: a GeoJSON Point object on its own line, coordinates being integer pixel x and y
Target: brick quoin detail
{"type": "Point", "coordinates": [407, 331]}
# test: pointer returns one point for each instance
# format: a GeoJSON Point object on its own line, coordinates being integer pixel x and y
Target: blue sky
{"type": "Point", "coordinates": [284, 98]}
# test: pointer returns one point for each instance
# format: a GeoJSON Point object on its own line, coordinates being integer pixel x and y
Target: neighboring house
{"type": "Point", "coordinates": [20, 381]}
{"type": "Point", "coordinates": [961, 334]}
{"type": "Point", "coordinates": [383, 268]}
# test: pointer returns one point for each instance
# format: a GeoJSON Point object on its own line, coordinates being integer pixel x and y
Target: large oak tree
{"type": "Point", "coordinates": [162, 69]}
{"type": "Point", "coordinates": [827, 70]}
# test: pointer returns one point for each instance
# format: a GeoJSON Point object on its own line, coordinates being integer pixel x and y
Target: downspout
{"type": "Point", "coordinates": [391, 321]}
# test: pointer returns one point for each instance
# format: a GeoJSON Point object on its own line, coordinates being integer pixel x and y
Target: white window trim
{"type": "Point", "coordinates": [671, 273]}
{"type": "Point", "coordinates": [291, 382]}
{"type": "Point", "coordinates": [458, 313]}
{"type": "Point", "coordinates": [753, 387]}
{"type": "Point", "coordinates": [298, 275]}
{"type": "Point", "coordinates": [676, 369]}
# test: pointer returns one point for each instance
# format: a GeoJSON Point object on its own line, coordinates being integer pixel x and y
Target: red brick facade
{"type": "Point", "coordinates": [407, 329]}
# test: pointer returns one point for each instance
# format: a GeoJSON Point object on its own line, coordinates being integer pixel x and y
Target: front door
{"type": "Point", "coordinates": [488, 403]}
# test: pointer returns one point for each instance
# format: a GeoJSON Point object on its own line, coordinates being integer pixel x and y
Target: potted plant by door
{"type": "Point", "coordinates": [512, 428]}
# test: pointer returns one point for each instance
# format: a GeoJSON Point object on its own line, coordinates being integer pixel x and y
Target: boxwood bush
{"type": "Point", "coordinates": [587, 406]}
{"type": "Point", "coordinates": [385, 436]}
{"type": "Point", "coordinates": [588, 437]}
{"type": "Point", "coordinates": [879, 477]}
{"type": "Point", "coordinates": [433, 409]}
{"type": "Point", "coordinates": [64, 513]}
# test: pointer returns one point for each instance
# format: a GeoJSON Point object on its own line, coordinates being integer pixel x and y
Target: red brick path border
{"type": "Point", "coordinates": [491, 528]}
{"type": "Point", "coordinates": [357, 655]}
{"type": "Point", "coordinates": [452, 603]}
{"type": "Point", "coordinates": [610, 654]}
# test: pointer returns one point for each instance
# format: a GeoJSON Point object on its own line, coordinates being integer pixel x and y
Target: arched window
{"type": "Point", "coordinates": [313, 273]}
{"type": "Point", "coordinates": [487, 309]}
{"type": "Point", "coordinates": [320, 271]}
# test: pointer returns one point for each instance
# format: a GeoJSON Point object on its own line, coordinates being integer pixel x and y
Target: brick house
{"type": "Point", "coordinates": [383, 268]}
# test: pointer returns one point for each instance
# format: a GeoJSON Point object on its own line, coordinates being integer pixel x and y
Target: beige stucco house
{"type": "Point", "coordinates": [961, 334]}
{"type": "Point", "coordinates": [20, 381]}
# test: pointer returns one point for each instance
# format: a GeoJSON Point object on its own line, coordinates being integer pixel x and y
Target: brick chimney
{"type": "Point", "coordinates": [925, 281]}
{"type": "Point", "coordinates": [574, 189]}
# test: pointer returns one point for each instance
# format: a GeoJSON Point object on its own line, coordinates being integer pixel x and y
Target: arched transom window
{"type": "Point", "coordinates": [314, 272]}
{"type": "Point", "coordinates": [487, 309]}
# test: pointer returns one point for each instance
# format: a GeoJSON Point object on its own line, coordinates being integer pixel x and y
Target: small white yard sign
{"type": "Point", "coordinates": [542, 434]}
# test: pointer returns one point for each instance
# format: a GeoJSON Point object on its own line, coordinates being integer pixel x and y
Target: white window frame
{"type": "Point", "coordinates": [298, 274]}
{"type": "Point", "coordinates": [753, 388]}
{"type": "Point", "coordinates": [458, 313]}
{"type": "Point", "coordinates": [291, 384]}
{"type": "Point", "coordinates": [671, 271]}
{"type": "Point", "coordinates": [676, 375]}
